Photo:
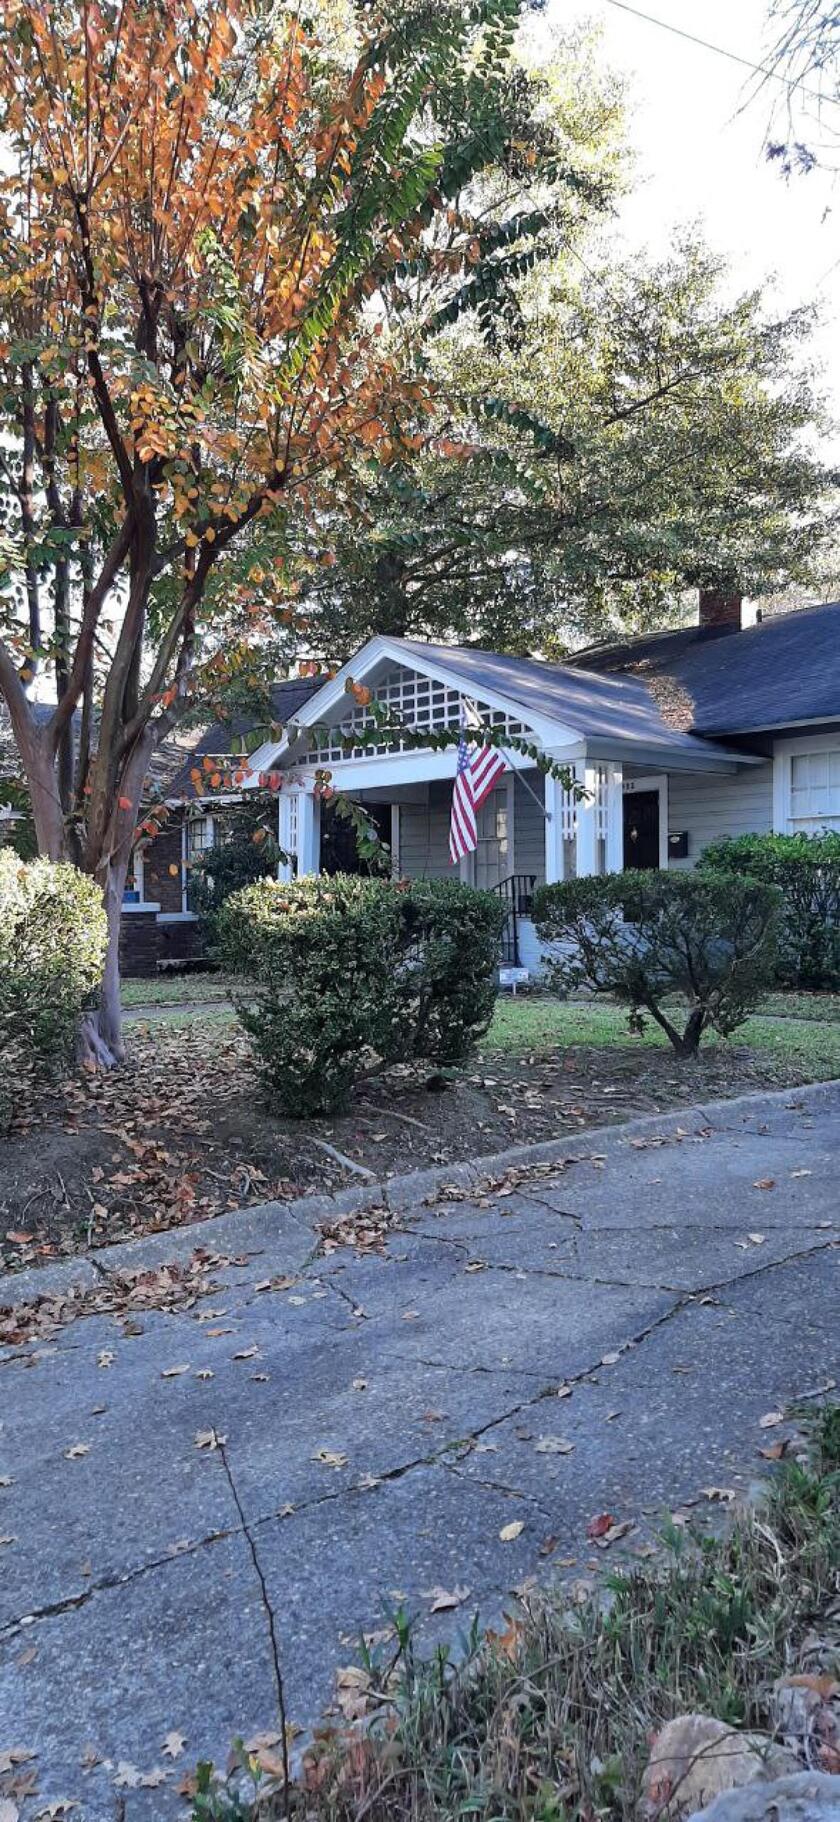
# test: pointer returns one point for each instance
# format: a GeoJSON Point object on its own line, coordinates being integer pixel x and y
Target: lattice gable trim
{"type": "Point", "coordinates": [421, 702]}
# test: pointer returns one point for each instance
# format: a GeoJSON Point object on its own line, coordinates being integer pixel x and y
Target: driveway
{"type": "Point", "coordinates": [445, 1416]}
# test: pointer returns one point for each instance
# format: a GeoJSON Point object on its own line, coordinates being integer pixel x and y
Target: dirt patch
{"type": "Point", "coordinates": [180, 1133]}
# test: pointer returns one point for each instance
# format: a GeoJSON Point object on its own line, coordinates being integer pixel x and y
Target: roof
{"type": "Point", "coordinates": [614, 712]}
{"type": "Point", "coordinates": [780, 672]}
{"type": "Point", "coordinates": [286, 698]}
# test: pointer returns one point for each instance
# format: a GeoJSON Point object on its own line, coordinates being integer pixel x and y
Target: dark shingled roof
{"type": "Point", "coordinates": [780, 672]}
{"type": "Point", "coordinates": [612, 712]}
{"type": "Point", "coordinates": [286, 698]}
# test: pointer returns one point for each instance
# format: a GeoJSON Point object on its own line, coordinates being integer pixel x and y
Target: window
{"type": "Point", "coordinates": [807, 785]}
{"type": "Point", "coordinates": [492, 855]}
{"type": "Point", "coordinates": [815, 790]}
{"type": "Point", "coordinates": [200, 837]}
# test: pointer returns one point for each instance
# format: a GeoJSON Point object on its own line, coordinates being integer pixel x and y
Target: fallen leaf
{"type": "Point", "coordinates": [330, 1458]}
{"type": "Point", "coordinates": [150, 1780]}
{"type": "Point", "coordinates": [247, 1353]}
{"type": "Point", "coordinates": [553, 1445]}
{"type": "Point", "coordinates": [611, 1536]}
{"type": "Point", "coordinates": [360, 1385]}
{"type": "Point", "coordinates": [757, 1239]}
{"type": "Point", "coordinates": [444, 1600]}
{"type": "Point", "coordinates": [775, 1451]}
{"type": "Point", "coordinates": [77, 1449]}
{"type": "Point", "coordinates": [609, 1359]}
{"type": "Point", "coordinates": [765, 1183]}
{"type": "Point", "coordinates": [725, 1494]}
{"type": "Point", "coordinates": [205, 1373]}
{"type": "Point", "coordinates": [6, 1480]}
{"type": "Point", "coordinates": [106, 1358]}
{"type": "Point", "coordinates": [770, 1419]}
{"type": "Point", "coordinates": [174, 1372]}
{"type": "Point", "coordinates": [7, 1538]}
{"type": "Point", "coordinates": [801, 1173]}
{"type": "Point", "coordinates": [127, 1776]}
{"type": "Point", "coordinates": [174, 1744]}
{"type": "Point", "coordinates": [509, 1533]}
{"type": "Point", "coordinates": [209, 1439]}
{"type": "Point", "coordinates": [600, 1524]}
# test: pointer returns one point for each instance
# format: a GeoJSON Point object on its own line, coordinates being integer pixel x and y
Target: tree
{"type": "Point", "coordinates": [805, 59]}
{"type": "Point", "coordinates": [632, 434]}
{"type": "Point", "coordinates": [693, 951]}
{"type": "Point", "coordinates": [205, 205]}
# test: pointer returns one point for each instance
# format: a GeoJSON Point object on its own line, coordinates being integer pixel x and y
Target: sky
{"type": "Point", "coordinates": [699, 142]}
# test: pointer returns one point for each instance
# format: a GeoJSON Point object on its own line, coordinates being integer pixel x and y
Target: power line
{"type": "Point", "coordinates": [758, 69]}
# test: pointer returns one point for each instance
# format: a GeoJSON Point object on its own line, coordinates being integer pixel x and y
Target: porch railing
{"type": "Point", "coordinates": [516, 893]}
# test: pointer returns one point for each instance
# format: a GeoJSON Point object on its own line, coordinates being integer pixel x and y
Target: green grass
{"type": "Point", "coordinates": [524, 1024]}
{"type": "Point", "coordinates": [175, 990]}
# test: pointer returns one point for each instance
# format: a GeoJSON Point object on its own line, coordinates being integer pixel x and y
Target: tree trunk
{"type": "Point", "coordinates": [689, 1043]}
{"type": "Point", "coordinates": [100, 1041]}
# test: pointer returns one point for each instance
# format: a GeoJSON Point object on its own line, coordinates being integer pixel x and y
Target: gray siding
{"type": "Point", "coordinates": [424, 835]}
{"type": "Point", "coordinates": [529, 826]}
{"type": "Point", "coordinates": [712, 807]}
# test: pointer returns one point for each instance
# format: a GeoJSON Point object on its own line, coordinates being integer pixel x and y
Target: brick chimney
{"type": "Point", "coordinates": [720, 607]}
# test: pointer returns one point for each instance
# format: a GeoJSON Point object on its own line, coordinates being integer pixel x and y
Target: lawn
{"type": "Point", "coordinates": [791, 1026]}
{"type": "Point", "coordinates": [175, 990]}
{"type": "Point", "coordinates": [180, 1133]}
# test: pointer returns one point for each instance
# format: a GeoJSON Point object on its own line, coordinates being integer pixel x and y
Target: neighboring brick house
{"type": "Point", "coordinates": [160, 927]}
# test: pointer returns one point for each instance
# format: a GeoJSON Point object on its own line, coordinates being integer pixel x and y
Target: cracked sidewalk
{"type": "Point", "coordinates": [382, 1420]}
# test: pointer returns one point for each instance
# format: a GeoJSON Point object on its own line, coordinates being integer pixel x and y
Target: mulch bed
{"type": "Point", "coordinates": [180, 1133]}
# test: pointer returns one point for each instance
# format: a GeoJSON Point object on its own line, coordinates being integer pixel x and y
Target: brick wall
{"type": "Point", "coordinates": [160, 885]}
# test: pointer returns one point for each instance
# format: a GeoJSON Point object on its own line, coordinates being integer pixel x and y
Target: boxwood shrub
{"type": "Point", "coordinates": [691, 950]}
{"type": "Point", "coordinates": [340, 977]}
{"type": "Point", "coordinates": [807, 869]}
{"type": "Point", "coordinates": [53, 937]}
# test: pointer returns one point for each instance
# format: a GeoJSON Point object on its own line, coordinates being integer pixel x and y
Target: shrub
{"type": "Point", "coordinates": [246, 851]}
{"type": "Point", "coordinates": [53, 937]}
{"type": "Point", "coordinates": [342, 976]}
{"type": "Point", "coordinates": [807, 869]}
{"type": "Point", "coordinates": [707, 939]}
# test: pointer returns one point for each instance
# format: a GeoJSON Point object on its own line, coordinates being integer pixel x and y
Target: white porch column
{"type": "Point", "coordinates": [553, 830]}
{"type": "Point", "coordinates": [586, 842]}
{"type": "Point", "coordinates": [615, 818]}
{"type": "Point", "coordinates": [287, 818]}
{"type": "Point", "coordinates": [308, 834]}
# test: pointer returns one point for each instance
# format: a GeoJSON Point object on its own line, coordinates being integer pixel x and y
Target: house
{"type": "Point", "coordinates": [677, 738]}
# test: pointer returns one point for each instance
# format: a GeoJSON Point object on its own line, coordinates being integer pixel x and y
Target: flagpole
{"type": "Point", "coordinates": [471, 705]}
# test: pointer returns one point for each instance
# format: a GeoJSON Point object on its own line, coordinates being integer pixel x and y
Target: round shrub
{"type": "Point", "coordinates": [340, 977]}
{"type": "Point", "coordinates": [53, 937]}
{"type": "Point", "coordinates": [807, 870]}
{"type": "Point", "coordinates": [707, 940]}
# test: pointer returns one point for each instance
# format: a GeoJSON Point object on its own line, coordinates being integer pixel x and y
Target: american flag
{"type": "Point", "coordinates": [474, 780]}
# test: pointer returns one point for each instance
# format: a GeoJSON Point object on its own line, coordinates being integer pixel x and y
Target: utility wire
{"type": "Point", "coordinates": [758, 69]}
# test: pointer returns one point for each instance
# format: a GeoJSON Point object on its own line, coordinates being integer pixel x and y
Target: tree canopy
{"type": "Point", "coordinates": [627, 432]}
{"type": "Point", "coordinates": [204, 209]}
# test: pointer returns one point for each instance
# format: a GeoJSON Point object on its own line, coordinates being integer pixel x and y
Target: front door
{"type": "Point", "coordinates": [641, 829]}
{"type": "Point", "coordinates": [492, 855]}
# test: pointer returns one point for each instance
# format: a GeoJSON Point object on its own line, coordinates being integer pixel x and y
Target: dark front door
{"type": "Point", "coordinates": [641, 829]}
{"type": "Point", "coordinates": [339, 852]}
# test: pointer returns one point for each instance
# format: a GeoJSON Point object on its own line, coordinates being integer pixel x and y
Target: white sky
{"type": "Point", "coordinates": [701, 156]}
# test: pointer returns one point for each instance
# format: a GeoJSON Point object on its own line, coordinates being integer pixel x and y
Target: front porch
{"type": "Point", "coordinates": [619, 757]}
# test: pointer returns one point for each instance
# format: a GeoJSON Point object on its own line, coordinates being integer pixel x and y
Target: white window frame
{"type": "Point", "coordinates": [655, 781]}
{"type": "Point", "coordinates": [784, 751]}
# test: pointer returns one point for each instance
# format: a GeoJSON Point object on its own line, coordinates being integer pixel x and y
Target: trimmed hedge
{"type": "Point", "coordinates": [53, 937]}
{"type": "Point", "coordinates": [341, 977]}
{"type": "Point", "coordinates": [807, 869]}
{"type": "Point", "coordinates": [706, 939]}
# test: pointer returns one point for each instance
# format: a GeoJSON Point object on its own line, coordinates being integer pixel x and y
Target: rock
{"type": "Point", "coordinates": [807, 1796]}
{"type": "Point", "coordinates": [695, 1758]}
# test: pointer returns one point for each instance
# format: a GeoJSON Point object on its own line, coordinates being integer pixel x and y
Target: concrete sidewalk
{"type": "Point", "coordinates": [385, 1417]}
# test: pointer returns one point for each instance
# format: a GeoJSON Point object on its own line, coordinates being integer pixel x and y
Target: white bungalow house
{"type": "Point", "coordinates": [677, 738]}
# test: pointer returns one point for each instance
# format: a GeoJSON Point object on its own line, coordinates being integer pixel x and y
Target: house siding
{"type": "Point", "coordinates": [424, 835]}
{"type": "Point", "coordinates": [529, 825]}
{"type": "Point", "coordinates": [709, 808]}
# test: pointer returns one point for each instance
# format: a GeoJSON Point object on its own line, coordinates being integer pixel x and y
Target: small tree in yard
{"type": "Point", "coordinates": [199, 208]}
{"type": "Point", "coordinates": [53, 936]}
{"type": "Point", "coordinates": [705, 940]}
{"type": "Point", "coordinates": [806, 868]}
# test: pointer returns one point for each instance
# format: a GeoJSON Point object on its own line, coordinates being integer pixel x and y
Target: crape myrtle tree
{"type": "Point", "coordinates": [204, 205]}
